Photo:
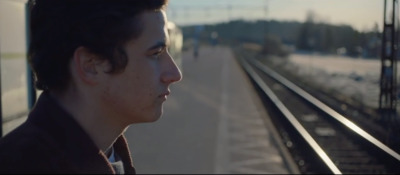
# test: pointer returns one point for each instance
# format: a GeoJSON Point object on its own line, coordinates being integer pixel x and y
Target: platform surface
{"type": "Point", "coordinates": [213, 123]}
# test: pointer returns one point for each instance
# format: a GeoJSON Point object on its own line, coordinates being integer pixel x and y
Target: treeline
{"type": "Point", "coordinates": [279, 37]}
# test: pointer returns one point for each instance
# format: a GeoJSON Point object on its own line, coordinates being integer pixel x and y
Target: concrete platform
{"type": "Point", "coordinates": [213, 122]}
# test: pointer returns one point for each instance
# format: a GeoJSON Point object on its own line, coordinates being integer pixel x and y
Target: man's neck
{"type": "Point", "coordinates": [99, 127]}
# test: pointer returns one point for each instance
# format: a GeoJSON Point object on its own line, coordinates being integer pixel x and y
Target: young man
{"type": "Point", "coordinates": [102, 65]}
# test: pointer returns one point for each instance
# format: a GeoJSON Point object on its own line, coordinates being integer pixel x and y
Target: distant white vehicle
{"type": "Point", "coordinates": [13, 69]}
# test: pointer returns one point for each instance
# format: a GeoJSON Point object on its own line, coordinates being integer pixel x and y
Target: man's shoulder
{"type": "Point", "coordinates": [27, 147]}
{"type": "Point", "coordinates": [27, 134]}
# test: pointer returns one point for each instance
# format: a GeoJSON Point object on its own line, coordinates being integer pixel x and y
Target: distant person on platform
{"type": "Point", "coordinates": [196, 48]}
{"type": "Point", "coordinates": [102, 65]}
{"type": "Point", "coordinates": [214, 38]}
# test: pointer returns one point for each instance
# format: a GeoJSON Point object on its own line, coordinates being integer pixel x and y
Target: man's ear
{"type": "Point", "coordinates": [88, 66]}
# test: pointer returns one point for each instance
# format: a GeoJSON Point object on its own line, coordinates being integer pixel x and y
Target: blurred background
{"type": "Point", "coordinates": [346, 36]}
{"type": "Point", "coordinates": [342, 48]}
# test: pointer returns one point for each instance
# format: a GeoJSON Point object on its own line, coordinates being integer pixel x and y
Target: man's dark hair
{"type": "Point", "coordinates": [59, 27]}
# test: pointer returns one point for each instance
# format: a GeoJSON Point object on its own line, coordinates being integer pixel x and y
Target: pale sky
{"type": "Point", "coordinates": [361, 14]}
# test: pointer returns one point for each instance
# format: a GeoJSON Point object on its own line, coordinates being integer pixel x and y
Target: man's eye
{"type": "Point", "coordinates": [158, 53]}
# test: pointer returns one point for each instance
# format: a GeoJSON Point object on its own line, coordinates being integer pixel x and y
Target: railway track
{"type": "Point", "coordinates": [320, 139]}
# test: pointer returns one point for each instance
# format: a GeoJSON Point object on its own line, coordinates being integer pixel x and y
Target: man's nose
{"type": "Point", "coordinates": [172, 73]}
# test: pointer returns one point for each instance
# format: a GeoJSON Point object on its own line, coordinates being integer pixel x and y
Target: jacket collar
{"type": "Point", "coordinates": [71, 138]}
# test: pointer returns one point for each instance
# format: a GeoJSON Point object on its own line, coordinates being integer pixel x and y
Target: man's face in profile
{"type": "Point", "coordinates": [137, 94]}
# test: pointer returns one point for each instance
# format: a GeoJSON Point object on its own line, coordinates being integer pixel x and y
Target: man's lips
{"type": "Point", "coordinates": [165, 94]}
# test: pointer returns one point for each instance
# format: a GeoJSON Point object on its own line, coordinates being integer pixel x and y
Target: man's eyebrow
{"type": "Point", "coordinates": [159, 44]}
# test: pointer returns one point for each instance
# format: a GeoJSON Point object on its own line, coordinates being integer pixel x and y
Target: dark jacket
{"type": "Point", "coordinates": [51, 141]}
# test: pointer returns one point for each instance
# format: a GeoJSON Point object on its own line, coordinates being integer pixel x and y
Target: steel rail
{"type": "Point", "coordinates": [326, 109]}
{"type": "Point", "coordinates": [291, 118]}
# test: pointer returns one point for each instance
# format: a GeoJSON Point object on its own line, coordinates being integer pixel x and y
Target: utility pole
{"type": "Point", "coordinates": [388, 83]}
{"type": "Point", "coordinates": [229, 8]}
{"type": "Point", "coordinates": [265, 30]}
{"type": "Point", "coordinates": [30, 80]}
{"type": "Point", "coordinates": [1, 104]}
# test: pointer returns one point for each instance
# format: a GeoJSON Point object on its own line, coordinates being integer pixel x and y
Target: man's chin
{"type": "Point", "coordinates": [149, 118]}
{"type": "Point", "coordinates": [155, 117]}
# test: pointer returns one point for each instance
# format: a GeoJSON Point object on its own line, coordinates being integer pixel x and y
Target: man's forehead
{"type": "Point", "coordinates": [154, 32]}
{"type": "Point", "coordinates": [158, 15]}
